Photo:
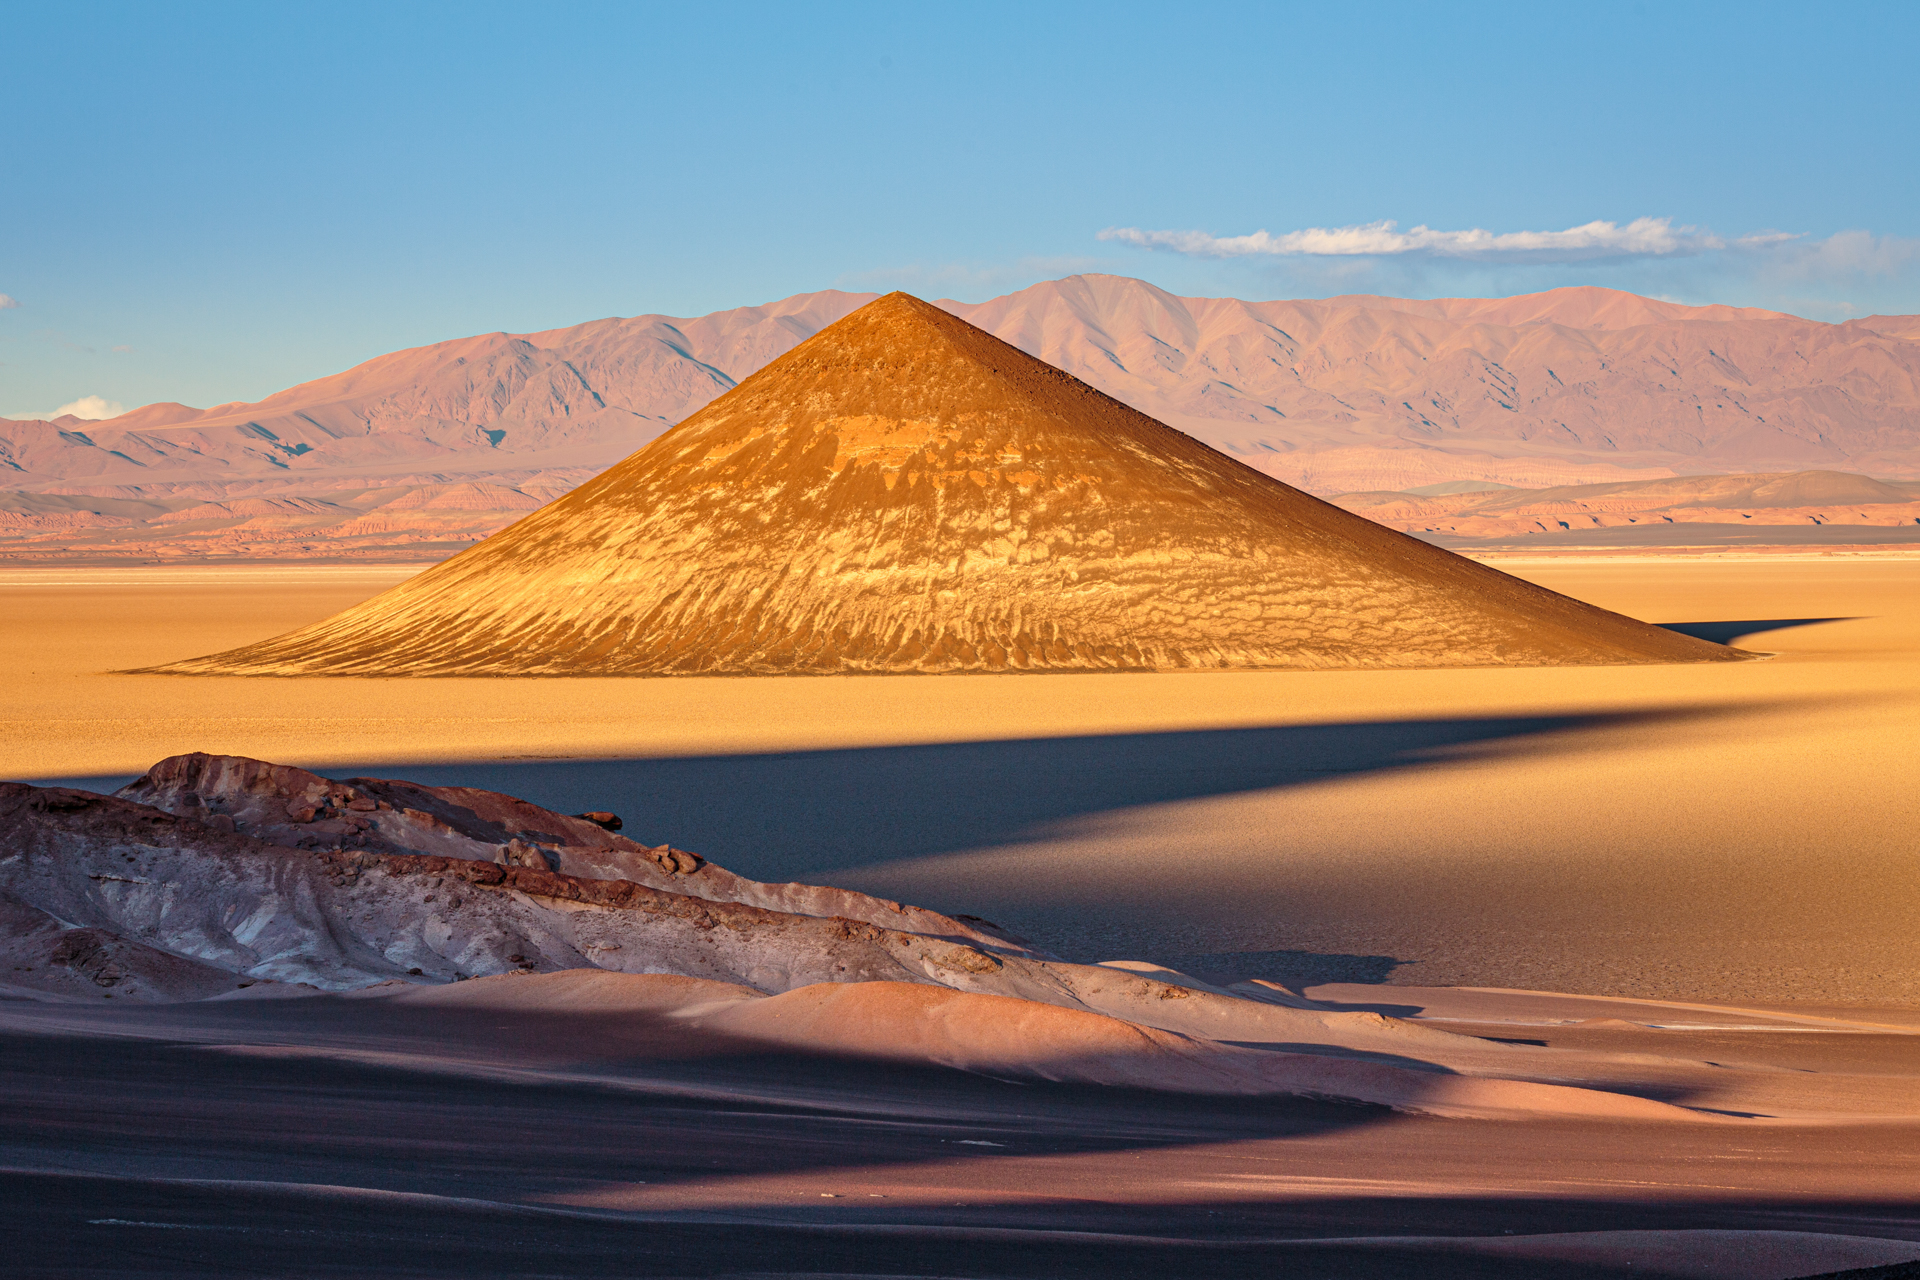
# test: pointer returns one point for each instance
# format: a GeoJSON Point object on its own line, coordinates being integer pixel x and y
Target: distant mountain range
{"type": "Point", "coordinates": [421, 451]}
{"type": "Point", "coordinates": [1803, 508]}
{"type": "Point", "coordinates": [1579, 385]}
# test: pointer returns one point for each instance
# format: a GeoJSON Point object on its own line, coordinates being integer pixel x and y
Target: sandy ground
{"type": "Point", "coordinates": [1739, 832]}
{"type": "Point", "coordinates": [1733, 840]}
{"type": "Point", "coordinates": [485, 1138]}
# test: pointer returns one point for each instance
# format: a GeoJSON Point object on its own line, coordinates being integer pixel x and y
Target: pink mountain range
{"type": "Point", "coordinates": [1573, 386]}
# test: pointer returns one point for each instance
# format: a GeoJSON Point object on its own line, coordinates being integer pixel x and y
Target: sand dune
{"type": "Point", "coordinates": [905, 493]}
{"type": "Point", "coordinates": [591, 1123]}
{"type": "Point", "coordinates": [444, 1135]}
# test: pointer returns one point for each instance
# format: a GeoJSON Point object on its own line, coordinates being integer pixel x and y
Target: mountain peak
{"type": "Point", "coordinates": [903, 492]}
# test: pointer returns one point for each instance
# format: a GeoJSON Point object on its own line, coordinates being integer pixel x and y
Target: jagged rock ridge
{"type": "Point", "coordinates": [216, 873]}
{"type": "Point", "coordinates": [184, 886]}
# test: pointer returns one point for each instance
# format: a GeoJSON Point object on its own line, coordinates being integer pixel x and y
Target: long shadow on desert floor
{"type": "Point", "coordinates": [75, 1225]}
{"type": "Point", "coordinates": [879, 818]}
{"type": "Point", "coordinates": [1728, 632]}
{"type": "Point", "coordinates": [134, 1156]}
{"type": "Point", "coordinates": [332, 1091]}
{"type": "Point", "coordinates": [802, 814]}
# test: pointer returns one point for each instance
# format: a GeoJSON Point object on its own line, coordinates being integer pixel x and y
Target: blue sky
{"type": "Point", "coordinates": [211, 202]}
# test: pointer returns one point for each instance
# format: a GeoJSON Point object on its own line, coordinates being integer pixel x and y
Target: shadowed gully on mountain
{"type": "Point", "coordinates": [904, 492]}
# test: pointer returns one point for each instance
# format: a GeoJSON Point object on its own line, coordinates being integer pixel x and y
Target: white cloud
{"type": "Point", "coordinates": [1834, 276]}
{"type": "Point", "coordinates": [1641, 238]}
{"type": "Point", "coordinates": [91, 408]}
{"type": "Point", "coordinates": [6, 302]}
{"type": "Point", "coordinates": [1858, 255]}
{"type": "Point", "coordinates": [1766, 239]}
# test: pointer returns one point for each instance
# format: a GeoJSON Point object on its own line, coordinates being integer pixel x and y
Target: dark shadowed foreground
{"type": "Point", "coordinates": [344, 1136]}
{"type": "Point", "coordinates": [258, 1021]}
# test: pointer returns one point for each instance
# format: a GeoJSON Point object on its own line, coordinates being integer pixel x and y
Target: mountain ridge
{"type": "Point", "coordinates": [1571, 386]}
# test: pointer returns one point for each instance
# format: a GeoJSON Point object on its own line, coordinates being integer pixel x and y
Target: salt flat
{"type": "Point", "coordinates": [1731, 832]}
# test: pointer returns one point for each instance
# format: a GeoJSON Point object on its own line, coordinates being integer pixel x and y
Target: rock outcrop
{"type": "Point", "coordinates": [183, 887]}
{"type": "Point", "coordinates": [215, 873]}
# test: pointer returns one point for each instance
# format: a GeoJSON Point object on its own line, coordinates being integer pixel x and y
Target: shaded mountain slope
{"type": "Point", "coordinates": [582, 396]}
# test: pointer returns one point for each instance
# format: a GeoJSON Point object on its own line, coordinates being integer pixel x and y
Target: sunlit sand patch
{"type": "Point", "coordinates": [1667, 861]}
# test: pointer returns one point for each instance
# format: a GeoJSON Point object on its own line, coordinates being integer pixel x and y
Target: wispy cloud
{"type": "Point", "coordinates": [1641, 238]}
{"type": "Point", "coordinates": [1859, 255]}
{"type": "Point", "coordinates": [1847, 273]}
{"type": "Point", "coordinates": [91, 408]}
{"type": "Point", "coordinates": [7, 303]}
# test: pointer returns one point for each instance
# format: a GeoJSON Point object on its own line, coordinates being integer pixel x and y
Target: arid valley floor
{"type": "Point", "coordinates": [1713, 864]}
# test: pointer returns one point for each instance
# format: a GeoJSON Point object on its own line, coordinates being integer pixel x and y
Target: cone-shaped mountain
{"type": "Point", "coordinates": [904, 492]}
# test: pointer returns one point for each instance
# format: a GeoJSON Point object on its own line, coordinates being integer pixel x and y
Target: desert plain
{"type": "Point", "coordinates": [1727, 831]}
{"type": "Point", "coordinates": [1699, 880]}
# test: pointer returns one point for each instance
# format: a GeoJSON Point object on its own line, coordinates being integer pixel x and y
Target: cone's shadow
{"type": "Point", "coordinates": [795, 815]}
{"type": "Point", "coordinates": [800, 814]}
{"type": "Point", "coordinates": [1728, 632]}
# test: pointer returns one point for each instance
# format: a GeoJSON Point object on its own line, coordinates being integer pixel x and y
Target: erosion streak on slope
{"type": "Point", "coordinates": [904, 492]}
